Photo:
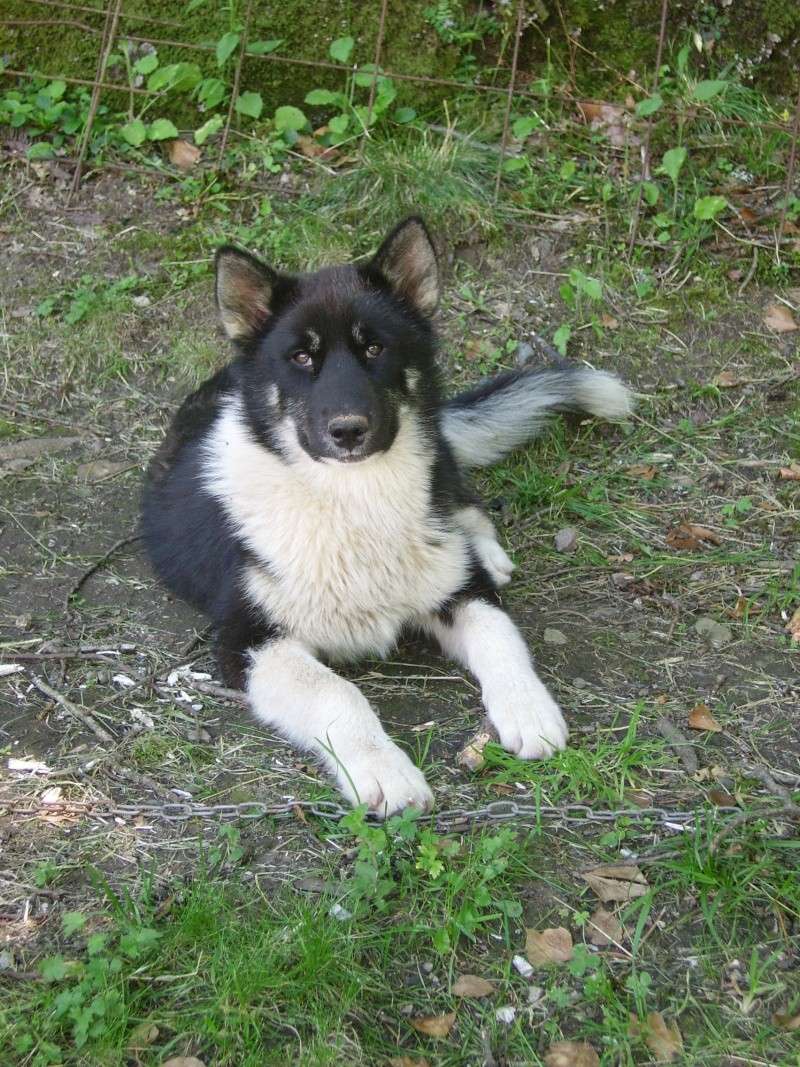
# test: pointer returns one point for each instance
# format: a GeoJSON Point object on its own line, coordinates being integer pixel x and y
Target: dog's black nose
{"type": "Point", "coordinates": [348, 431]}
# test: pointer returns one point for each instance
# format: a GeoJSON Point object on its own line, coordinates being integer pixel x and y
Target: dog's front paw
{"type": "Point", "coordinates": [384, 779]}
{"type": "Point", "coordinates": [495, 560]}
{"type": "Point", "coordinates": [528, 721]}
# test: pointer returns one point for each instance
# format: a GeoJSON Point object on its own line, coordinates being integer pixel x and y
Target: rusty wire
{"type": "Point", "coordinates": [113, 14]}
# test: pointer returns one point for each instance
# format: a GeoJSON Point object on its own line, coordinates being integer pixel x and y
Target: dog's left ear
{"type": "Point", "coordinates": [407, 260]}
{"type": "Point", "coordinates": [244, 287]}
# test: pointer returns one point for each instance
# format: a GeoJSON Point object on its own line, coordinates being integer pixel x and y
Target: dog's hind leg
{"type": "Point", "coordinates": [483, 639]}
{"type": "Point", "coordinates": [318, 711]}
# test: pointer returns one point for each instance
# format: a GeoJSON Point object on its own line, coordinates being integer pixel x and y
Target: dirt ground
{"type": "Point", "coordinates": [633, 628]}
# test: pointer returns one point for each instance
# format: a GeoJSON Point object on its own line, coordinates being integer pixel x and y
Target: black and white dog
{"type": "Point", "coordinates": [311, 499]}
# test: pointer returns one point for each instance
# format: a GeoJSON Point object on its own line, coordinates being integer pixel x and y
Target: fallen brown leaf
{"type": "Point", "coordinates": [700, 718]}
{"type": "Point", "coordinates": [786, 1021]}
{"type": "Point", "coordinates": [609, 321]}
{"type": "Point", "coordinates": [626, 557]}
{"type": "Point", "coordinates": [182, 154]}
{"type": "Point", "coordinates": [99, 470]}
{"type": "Point", "coordinates": [722, 798]}
{"type": "Point", "coordinates": [744, 607]}
{"type": "Point", "coordinates": [642, 470]}
{"type": "Point", "coordinates": [728, 379]}
{"type": "Point", "coordinates": [616, 882]}
{"type": "Point", "coordinates": [605, 928]}
{"type": "Point", "coordinates": [571, 1054]}
{"type": "Point", "coordinates": [790, 473]}
{"type": "Point", "coordinates": [689, 536]}
{"type": "Point", "coordinates": [183, 1061]}
{"type": "Point", "coordinates": [793, 625]}
{"type": "Point", "coordinates": [407, 1061]}
{"type": "Point", "coordinates": [310, 148]}
{"type": "Point", "coordinates": [438, 1026]}
{"type": "Point", "coordinates": [780, 319]}
{"type": "Point", "coordinates": [471, 755]}
{"type": "Point", "coordinates": [553, 945]}
{"type": "Point", "coordinates": [663, 1039]}
{"type": "Point", "coordinates": [472, 985]}
{"type": "Point", "coordinates": [143, 1035]}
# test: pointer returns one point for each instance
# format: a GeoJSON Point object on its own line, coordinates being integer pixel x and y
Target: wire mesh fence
{"type": "Point", "coordinates": [513, 81]}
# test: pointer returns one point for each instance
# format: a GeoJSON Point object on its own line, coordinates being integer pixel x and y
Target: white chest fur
{"type": "Point", "coordinates": [347, 554]}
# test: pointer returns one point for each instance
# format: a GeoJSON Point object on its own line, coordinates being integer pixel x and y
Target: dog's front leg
{"type": "Point", "coordinates": [483, 639]}
{"type": "Point", "coordinates": [319, 711]}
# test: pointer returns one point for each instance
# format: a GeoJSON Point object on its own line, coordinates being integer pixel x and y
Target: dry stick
{"type": "Point", "coordinates": [236, 695]}
{"type": "Point", "coordinates": [376, 64]}
{"type": "Point", "coordinates": [646, 147]}
{"type": "Point", "coordinates": [107, 43]}
{"type": "Point", "coordinates": [96, 566]}
{"type": "Point", "coordinates": [789, 173]}
{"type": "Point", "coordinates": [73, 709]}
{"type": "Point", "coordinates": [509, 98]}
{"type": "Point", "coordinates": [680, 745]}
{"type": "Point", "coordinates": [235, 90]}
{"type": "Point", "coordinates": [789, 812]}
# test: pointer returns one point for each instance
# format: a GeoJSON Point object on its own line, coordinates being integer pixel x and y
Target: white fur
{"type": "Point", "coordinates": [273, 396]}
{"type": "Point", "coordinates": [484, 432]}
{"type": "Point", "coordinates": [484, 639]}
{"type": "Point", "coordinates": [347, 553]}
{"type": "Point", "coordinates": [324, 714]}
{"type": "Point", "coordinates": [483, 538]}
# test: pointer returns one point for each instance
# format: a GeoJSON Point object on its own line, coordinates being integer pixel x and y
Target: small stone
{"type": "Point", "coordinates": [580, 683]}
{"type": "Point", "coordinates": [522, 966]}
{"type": "Point", "coordinates": [340, 913]}
{"type": "Point", "coordinates": [506, 1015]}
{"type": "Point", "coordinates": [524, 353]}
{"type": "Point", "coordinates": [566, 540]}
{"type": "Point", "coordinates": [141, 301]}
{"type": "Point", "coordinates": [554, 637]}
{"type": "Point", "coordinates": [535, 994]}
{"type": "Point", "coordinates": [717, 634]}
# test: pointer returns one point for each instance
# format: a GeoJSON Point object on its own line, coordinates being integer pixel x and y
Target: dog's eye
{"type": "Point", "coordinates": [302, 359]}
{"type": "Point", "coordinates": [374, 350]}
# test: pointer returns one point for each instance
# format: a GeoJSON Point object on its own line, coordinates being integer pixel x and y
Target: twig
{"type": "Point", "coordinates": [235, 89]}
{"type": "Point", "coordinates": [791, 811]}
{"type": "Point", "coordinates": [96, 566]}
{"type": "Point", "coordinates": [83, 716]}
{"type": "Point", "coordinates": [755, 770]}
{"type": "Point", "coordinates": [678, 742]}
{"type": "Point", "coordinates": [221, 691]}
{"type": "Point", "coordinates": [509, 98]}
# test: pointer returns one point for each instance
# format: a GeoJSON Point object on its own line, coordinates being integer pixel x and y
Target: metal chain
{"type": "Point", "coordinates": [496, 811]}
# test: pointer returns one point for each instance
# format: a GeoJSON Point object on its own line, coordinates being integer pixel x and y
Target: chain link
{"type": "Point", "coordinates": [496, 811]}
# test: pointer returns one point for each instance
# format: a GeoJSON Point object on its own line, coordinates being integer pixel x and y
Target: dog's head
{"type": "Point", "coordinates": [330, 358]}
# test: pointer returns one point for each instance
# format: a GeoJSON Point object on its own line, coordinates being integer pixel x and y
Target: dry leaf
{"type": "Point", "coordinates": [728, 379]}
{"type": "Point", "coordinates": [471, 985]}
{"type": "Point", "coordinates": [438, 1026]}
{"type": "Point", "coordinates": [553, 945]}
{"type": "Point", "coordinates": [745, 607]}
{"type": "Point", "coordinates": [100, 469]}
{"type": "Point", "coordinates": [51, 795]}
{"type": "Point", "coordinates": [642, 470]}
{"type": "Point", "coordinates": [407, 1061]}
{"type": "Point", "coordinates": [700, 718]}
{"type": "Point", "coordinates": [143, 1035]}
{"type": "Point", "coordinates": [571, 1054]}
{"type": "Point", "coordinates": [793, 626]}
{"type": "Point", "coordinates": [786, 1021]}
{"type": "Point", "coordinates": [183, 1061]}
{"type": "Point", "coordinates": [721, 798]}
{"type": "Point", "coordinates": [663, 1039]}
{"type": "Point", "coordinates": [689, 536]}
{"type": "Point", "coordinates": [609, 321]}
{"type": "Point", "coordinates": [566, 540]}
{"type": "Point", "coordinates": [605, 928]}
{"type": "Point", "coordinates": [790, 473]}
{"type": "Point", "coordinates": [182, 154]}
{"type": "Point", "coordinates": [616, 882]}
{"type": "Point", "coordinates": [625, 557]}
{"type": "Point", "coordinates": [471, 755]}
{"type": "Point", "coordinates": [780, 319]}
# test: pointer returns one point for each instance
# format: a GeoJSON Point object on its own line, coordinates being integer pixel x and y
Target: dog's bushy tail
{"type": "Point", "coordinates": [501, 413]}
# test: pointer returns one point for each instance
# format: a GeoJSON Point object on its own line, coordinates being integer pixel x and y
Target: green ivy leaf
{"type": "Point", "coordinates": [263, 48]}
{"type": "Point", "coordinates": [40, 150]}
{"type": "Point", "coordinates": [514, 163]}
{"type": "Point", "coordinates": [649, 105]}
{"type": "Point", "coordinates": [55, 90]}
{"type": "Point", "coordinates": [161, 130]}
{"type": "Point", "coordinates": [146, 64]}
{"type": "Point", "coordinates": [708, 207]}
{"type": "Point", "coordinates": [321, 97]}
{"type": "Point", "coordinates": [226, 45]}
{"type": "Point", "coordinates": [53, 969]}
{"type": "Point", "coordinates": [208, 129]}
{"type": "Point", "coordinates": [250, 104]}
{"type": "Point", "coordinates": [341, 48]}
{"type": "Point", "coordinates": [134, 132]}
{"type": "Point", "coordinates": [707, 90]}
{"type": "Point", "coordinates": [405, 114]}
{"type": "Point", "coordinates": [523, 127]}
{"type": "Point", "coordinates": [338, 124]}
{"type": "Point", "coordinates": [289, 118]}
{"type": "Point", "coordinates": [671, 163]}
{"type": "Point", "coordinates": [651, 193]}
{"type": "Point", "coordinates": [592, 288]}
{"type": "Point", "coordinates": [210, 92]}
{"type": "Point", "coordinates": [72, 921]}
{"type": "Point", "coordinates": [561, 337]}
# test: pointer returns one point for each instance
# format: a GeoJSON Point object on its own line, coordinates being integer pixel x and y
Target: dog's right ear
{"type": "Point", "coordinates": [244, 288]}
